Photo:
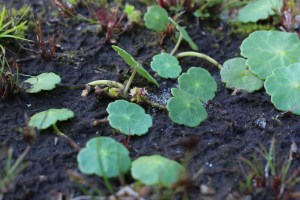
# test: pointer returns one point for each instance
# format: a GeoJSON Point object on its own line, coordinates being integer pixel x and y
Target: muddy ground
{"type": "Point", "coordinates": [233, 127]}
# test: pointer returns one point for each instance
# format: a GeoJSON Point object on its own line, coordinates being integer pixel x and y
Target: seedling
{"type": "Point", "coordinates": [156, 18]}
{"type": "Point", "coordinates": [160, 170]}
{"type": "Point", "coordinates": [133, 15]}
{"type": "Point", "coordinates": [266, 172]}
{"type": "Point", "coordinates": [44, 81]}
{"type": "Point", "coordinates": [236, 75]}
{"type": "Point", "coordinates": [11, 169]}
{"type": "Point", "coordinates": [45, 119]}
{"type": "Point", "coordinates": [268, 50]}
{"type": "Point", "coordinates": [259, 9]}
{"type": "Point", "coordinates": [283, 86]}
{"type": "Point", "coordinates": [128, 118]}
{"type": "Point", "coordinates": [104, 157]}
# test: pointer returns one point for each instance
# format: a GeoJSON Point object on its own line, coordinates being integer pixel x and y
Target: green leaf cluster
{"type": "Point", "coordinates": [196, 87]}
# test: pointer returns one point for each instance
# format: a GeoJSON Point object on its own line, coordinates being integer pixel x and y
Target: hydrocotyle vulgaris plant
{"type": "Point", "coordinates": [44, 81]}
{"type": "Point", "coordinates": [49, 118]}
{"type": "Point", "coordinates": [106, 158]}
{"type": "Point", "coordinates": [128, 118]}
{"type": "Point", "coordinates": [196, 87]}
{"type": "Point", "coordinates": [160, 170]}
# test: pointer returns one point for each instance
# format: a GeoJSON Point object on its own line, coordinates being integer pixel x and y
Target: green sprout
{"type": "Point", "coordinates": [104, 157]}
{"type": "Point", "coordinates": [44, 81]}
{"type": "Point", "coordinates": [128, 118]}
{"type": "Point", "coordinates": [160, 170]}
{"type": "Point", "coordinates": [47, 118]}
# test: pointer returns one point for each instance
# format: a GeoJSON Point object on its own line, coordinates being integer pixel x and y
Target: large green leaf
{"type": "Point", "coordinates": [128, 118]}
{"type": "Point", "coordinates": [236, 75]}
{"type": "Point", "coordinates": [104, 157]}
{"type": "Point", "coordinates": [185, 108]}
{"type": "Point", "coordinates": [134, 64]}
{"type": "Point", "coordinates": [44, 81]}
{"type": "Point", "coordinates": [268, 50]}
{"type": "Point", "coordinates": [166, 65]}
{"type": "Point", "coordinates": [156, 170]}
{"type": "Point", "coordinates": [156, 18]}
{"type": "Point", "coordinates": [259, 9]}
{"type": "Point", "coordinates": [284, 88]}
{"type": "Point", "coordinates": [45, 119]}
{"type": "Point", "coordinates": [185, 35]}
{"type": "Point", "coordinates": [198, 82]}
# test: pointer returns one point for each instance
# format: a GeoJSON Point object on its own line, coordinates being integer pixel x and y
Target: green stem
{"type": "Point", "coordinates": [130, 81]}
{"type": "Point", "coordinates": [70, 141]}
{"type": "Point", "coordinates": [177, 45]}
{"type": "Point", "coordinates": [199, 55]}
{"type": "Point", "coordinates": [108, 83]}
{"type": "Point", "coordinates": [19, 160]}
{"type": "Point", "coordinates": [156, 105]}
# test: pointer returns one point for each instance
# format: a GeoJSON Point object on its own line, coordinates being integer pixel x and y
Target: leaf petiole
{"type": "Point", "coordinates": [199, 55]}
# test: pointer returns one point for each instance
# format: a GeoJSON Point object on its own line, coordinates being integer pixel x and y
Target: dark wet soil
{"type": "Point", "coordinates": [233, 128]}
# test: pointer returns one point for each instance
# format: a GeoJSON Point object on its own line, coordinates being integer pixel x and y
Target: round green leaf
{"type": "Point", "coordinates": [166, 65]}
{"type": "Point", "coordinates": [268, 50]}
{"type": "Point", "coordinates": [198, 82]}
{"type": "Point", "coordinates": [236, 75]}
{"type": "Point", "coordinates": [45, 119]}
{"type": "Point", "coordinates": [104, 157]}
{"type": "Point", "coordinates": [44, 81]}
{"type": "Point", "coordinates": [284, 88]}
{"type": "Point", "coordinates": [128, 118]}
{"type": "Point", "coordinates": [184, 34]}
{"type": "Point", "coordinates": [156, 18]}
{"type": "Point", "coordinates": [185, 108]}
{"type": "Point", "coordinates": [259, 9]}
{"type": "Point", "coordinates": [156, 170]}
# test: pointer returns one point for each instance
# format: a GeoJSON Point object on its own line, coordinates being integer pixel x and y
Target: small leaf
{"type": "Point", "coordinates": [259, 9]}
{"type": "Point", "coordinates": [236, 75]}
{"type": "Point", "coordinates": [198, 82]}
{"type": "Point", "coordinates": [128, 118]}
{"type": "Point", "coordinates": [185, 35]}
{"type": "Point", "coordinates": [104, 157]}
{"type": "Point", "coordinates": [166, 65]}
{"type": "Point", "coordinates": [268, 50]}
{"type": "Point", "coordinates": [185, 108]}
{"type": "Point", "coordinates": [45, 119]}
{"type": "Point", "coordinates": [160, 170]}
{"type": "Point", "coordinates": [44, 81]}
{"type": "Point", "coordinates": [134, 64]}
{"type": "Point", "coordinates": [284, 88]}
{"type": "Point", "coordinates": [156, 18]}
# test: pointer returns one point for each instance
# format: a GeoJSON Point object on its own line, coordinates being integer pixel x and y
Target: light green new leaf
{"type": "Point", "coordinates": [45, 119]}
{"type": "Point", "coordinates": [156, 170]}
{"type": "Point", "coordinates": [236, 75]}
{"type": "Point", "coordinates": [166, 65]}
{"type": "Point", "coordinates": [104, 157]}
{"type": "Point", "coordinates": [185, 108]}
{"type": "Point", "coordinates": [44, 81]}
{"type": "Point", "coordinates": [184, 34]}
{"type": "Point", "coordinates": [128, 118]}
{"type": "Point", "coordinates": [284, 88]}
{"type": "Point", "coordinates": [156, 18]}
{"type": "Point", "coordinates": [268, 50]}
{"type": "Point", "coordinates": [259, 9]}
{"type": "Point", "coordinates": [134, 64]}
{"type": "Point", "coordinates": [198, 82]}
